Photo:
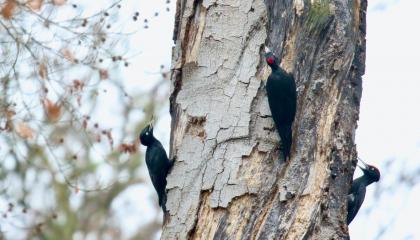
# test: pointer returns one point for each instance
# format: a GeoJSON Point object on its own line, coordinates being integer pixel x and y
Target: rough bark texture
{"type": "Point", "coordinates": [227, 182]}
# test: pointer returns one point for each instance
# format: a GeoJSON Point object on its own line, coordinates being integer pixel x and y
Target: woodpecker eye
{"type": "Point", "coordinates": [270, 60]}
{"type": "Point", "coordinates": [147, 133]}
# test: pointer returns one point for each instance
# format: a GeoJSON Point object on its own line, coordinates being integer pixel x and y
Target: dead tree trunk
{"type": "Point", "coordinates": [227, 182]}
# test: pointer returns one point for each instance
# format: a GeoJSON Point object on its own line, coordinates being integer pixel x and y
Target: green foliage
{"type": "Point", "coordinates": [319, 15]}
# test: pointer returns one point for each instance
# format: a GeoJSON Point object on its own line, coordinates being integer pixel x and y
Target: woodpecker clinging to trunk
{"type": "Point", "coordinates": [157, 162]}
{"type": "Point", "coordinates": [358, 189]}
{"type": "Point", "coordinates": [281, 93]}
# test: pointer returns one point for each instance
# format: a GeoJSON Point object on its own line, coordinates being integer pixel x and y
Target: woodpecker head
{"type": "Point", "coordinates": [146, 135]}
{"type": "Point", "coordinates": [271, 59]}
{"type": "Point", "coordinates": [370, 171]}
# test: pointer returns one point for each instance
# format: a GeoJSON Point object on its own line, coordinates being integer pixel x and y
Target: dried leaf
{"type": "Point", "coordinates": [67, 54]}
{"type": "Point", "coordinates": [24, 131]}
{"type": "Point", "coordinates": [8, 127]}
{"type": "Point", "coordinates": [35, 5]}
{"type": "Point", "coordinates": [78, 84]}
{"type": "Point", "coordinates": [8, 9]}
{"type": "Point", "coordinates": [9, 124]}
{"type": "Point", "coordinates": [10, 114]}
{"type": "Point", "coordinates": [59, 2]}
{"type": "Point", "coordinates": [128, 148]}
{"type": "Point", "coordinates": [103, 74]}
{"type": "Point", "coordinates": [43, 71]}
{"type": "Point", "coordinates": [52, 110]}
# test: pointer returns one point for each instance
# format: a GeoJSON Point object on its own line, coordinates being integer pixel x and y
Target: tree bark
{"type": "Point", "coordinates": [227, 182]}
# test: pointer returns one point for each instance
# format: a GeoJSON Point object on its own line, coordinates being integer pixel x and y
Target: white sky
{"type": "Point", "coordinates": [390, 116]}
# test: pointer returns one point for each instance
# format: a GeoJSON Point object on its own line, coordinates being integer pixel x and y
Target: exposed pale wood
{"type": "Point", "coordinates": [227, 182]}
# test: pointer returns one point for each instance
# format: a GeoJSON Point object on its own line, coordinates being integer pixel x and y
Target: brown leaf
{"type": "Point", "coordinates": [9, 124]}
{"type": "Point", "coordinates": [103, 74]}
{"type": "Point", "coordinates": [43, 71]}
{"type": "Point", "coordinates": [128, 148]}
{"type": "Point", "coordinates": [67, 54]}
{"type": "Point", "coordinates": [8, 9]}
{"type": "Point", "coordinates": [24, 131]}
{"type": "Point", "coordinates": [59, 2]}
{"type": "Point", "coordinates": [78, 84]}
{"type": "Point", "coordinates": [52, 110]}
{"type": "Point", "coordinates": [35, 5]}
{"type": "Point", "coordinates": [10, 114]}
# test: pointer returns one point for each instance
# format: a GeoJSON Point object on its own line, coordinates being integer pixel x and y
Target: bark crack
{"type": "Point", "coordinates": [228, 182]}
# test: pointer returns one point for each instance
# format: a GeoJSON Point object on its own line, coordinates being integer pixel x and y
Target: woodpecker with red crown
{"type": "Point", "coordinates": [357, 191]}
{"type": "Point", "coordinates": [281, 94]}
{"type": "Point", "coordinates": [158, 163]}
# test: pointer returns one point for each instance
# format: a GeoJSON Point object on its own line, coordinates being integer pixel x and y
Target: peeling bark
{"type": "Point", "coordinates": [227, 182]}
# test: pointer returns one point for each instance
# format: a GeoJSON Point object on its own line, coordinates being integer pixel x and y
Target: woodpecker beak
{"type": "Point", "coordinates": [364, 165]}
{"type": "Point", "coordinates": [266, 49]}
{"type": "Point", "coordinates": [152, 122]}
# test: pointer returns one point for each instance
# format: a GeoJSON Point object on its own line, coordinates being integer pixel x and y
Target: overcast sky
{"type": "Point", "coordinates": [390, 117]}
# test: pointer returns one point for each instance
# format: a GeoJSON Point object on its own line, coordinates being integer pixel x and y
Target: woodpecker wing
{"type": "Point", "coordinates": [157, 163]}
{"type": "Point", "coordinates": [355, 199]}
{"type": "Point", "coordinates": [281, 94]}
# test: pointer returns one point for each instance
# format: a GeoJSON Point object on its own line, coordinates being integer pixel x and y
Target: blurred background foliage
{"type": "Point", "coordinates": [69, 127]}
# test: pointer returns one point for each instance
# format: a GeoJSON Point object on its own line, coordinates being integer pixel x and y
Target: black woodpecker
{"type": "Point", "coordinates": [358, 189]}
{"type": "Point", "coordinates": [157, 163]}
{"type": "Point", "coordinates": [281, 93]}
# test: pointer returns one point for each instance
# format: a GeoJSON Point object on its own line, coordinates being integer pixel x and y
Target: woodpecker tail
{"type": "Point", "coordinates": [162, 200]}
{"type": "Point", "coordinates": [285, 132]}
{"type": "Point", "coordinates": [162, 193]}
{"type": "Point", "coordinates": [171, 164]}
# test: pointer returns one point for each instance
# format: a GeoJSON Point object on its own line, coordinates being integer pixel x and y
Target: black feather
{"type": "Point", "coordinates": [157, 163]}
{"type": "Point", "coordinates": [355, 198]}
{"type": "Point", "coordinates": [281, 94]}
{"type": "Point", "coordinates": [357, 191]}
